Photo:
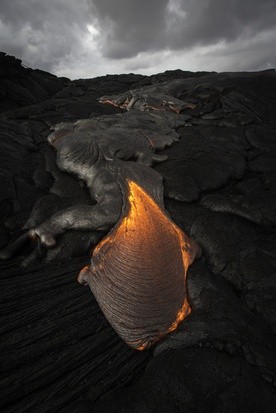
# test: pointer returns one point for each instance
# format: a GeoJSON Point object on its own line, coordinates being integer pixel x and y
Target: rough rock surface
{"type": "Point", "coordinates": [58, 353]}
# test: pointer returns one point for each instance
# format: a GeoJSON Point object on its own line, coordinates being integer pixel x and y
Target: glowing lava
{"type": "Point", "coordinates": [138, 272]}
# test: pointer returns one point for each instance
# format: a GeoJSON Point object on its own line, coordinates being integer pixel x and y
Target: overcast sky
{"type": "Point", "coordinates": [88, 38]}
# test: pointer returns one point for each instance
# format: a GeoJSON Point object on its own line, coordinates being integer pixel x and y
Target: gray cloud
{"type": "Point", "coordinates": [85, 38]}
{"type": "Point", "coordinates": [146, 25]}
{"type": "Point", "coordinates": [129, 27]}
{"type": "Point", "coordinates": [43, 32]}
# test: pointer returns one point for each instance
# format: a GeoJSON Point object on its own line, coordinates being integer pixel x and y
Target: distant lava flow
{"type": "Point", "coordinates": [138, 272]}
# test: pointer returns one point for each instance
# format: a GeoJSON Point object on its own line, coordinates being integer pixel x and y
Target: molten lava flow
{"type": "Point", "coordinates": [138, 272]}
{"type": "Point", "coordinates": [148, 102]}
{"type": "Point", "coordinates": [120, 103]}
{"type": "Point", "coordinates": [137, 200]}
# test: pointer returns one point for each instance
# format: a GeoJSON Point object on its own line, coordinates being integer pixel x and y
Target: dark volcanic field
{"type": "Point", "coordinates": [58, 353]}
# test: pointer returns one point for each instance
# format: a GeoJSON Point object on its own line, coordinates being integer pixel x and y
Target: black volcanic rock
{"type": "Point", "coordinates": [58, 353]}
{"type": "Point", "coordinates": [20, 86]}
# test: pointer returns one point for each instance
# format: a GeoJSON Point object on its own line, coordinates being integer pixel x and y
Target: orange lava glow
{"type": "Point", "coordinates": [142, 217]}
{"type": "Point", "coordinates": [139, 203]}
{"type": "Point", "coordinates": [108, 101]}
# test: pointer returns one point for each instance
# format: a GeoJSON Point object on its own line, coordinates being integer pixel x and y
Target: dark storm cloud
{"type": "Point", "coordinates": [84, 38]}
{"type": "Point", "coordinates": [207, 22]}
{"type": "Point", "coordinates": [42, 32]}
{"type": "Point", "coordinates": [129, 27]}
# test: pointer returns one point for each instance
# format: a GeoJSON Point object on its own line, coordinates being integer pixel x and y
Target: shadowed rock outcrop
{"type": "Point", "coordinates": [21, 86]}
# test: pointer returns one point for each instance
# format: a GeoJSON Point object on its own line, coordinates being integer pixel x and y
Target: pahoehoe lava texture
{"type": "Point", "coordinates": [138, 272]}
{"type": "Point", "coordinates": [58, 352]}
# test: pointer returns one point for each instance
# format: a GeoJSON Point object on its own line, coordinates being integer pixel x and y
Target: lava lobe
{"type": "Point", "coordinates": [138, 272]}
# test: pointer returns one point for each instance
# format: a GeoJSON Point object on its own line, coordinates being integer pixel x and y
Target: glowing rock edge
{"type": "Point", "coordinates": [138, 272]}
